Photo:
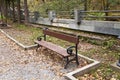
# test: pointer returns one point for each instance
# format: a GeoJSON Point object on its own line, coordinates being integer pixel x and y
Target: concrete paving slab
{"type": "Point", "coordinates": [83, 70]}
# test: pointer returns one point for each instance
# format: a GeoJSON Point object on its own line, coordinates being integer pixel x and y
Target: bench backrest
{"type": "Point", "coordinates": [66, 37]}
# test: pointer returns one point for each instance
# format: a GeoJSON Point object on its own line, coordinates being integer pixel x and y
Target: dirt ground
{"type": "Point", "coordinates": [18, 64]}
{"type": "Point", "coordinates": [46, 63]}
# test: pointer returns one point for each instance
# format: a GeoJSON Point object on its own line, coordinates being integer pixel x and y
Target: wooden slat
{"type": "Point", "coordinates": [73, 39]}
{"type": "Point", "coordinates": [62, 51]}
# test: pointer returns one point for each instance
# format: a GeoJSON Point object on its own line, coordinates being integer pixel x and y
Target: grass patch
{"type": "Point", "coordinates": [103, 73]}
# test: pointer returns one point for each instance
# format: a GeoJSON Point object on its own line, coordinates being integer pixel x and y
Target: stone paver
{"type": "Point", "coordinates": [17, 64]}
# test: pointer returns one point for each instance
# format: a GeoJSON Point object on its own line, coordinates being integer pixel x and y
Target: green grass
{"type": "Point", "coordinates": [105, 72]}
{"type": "Point", "coordinates": [35, 32]}
{"type": "Point", "coordinates": [2, 17]}
{"type": "Point", "coordinates": [25, 34]}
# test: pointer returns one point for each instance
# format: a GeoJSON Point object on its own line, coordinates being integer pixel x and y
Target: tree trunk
{"type": "Point", "coordinates": [3, 12]}
{"type": "Point", "coordinates": [18, 11]}
{"type": "Point", "coordinates": [85, 5]}
{"type": "Point", "coordinates": [43, 1]}
{"type": "Point", "coordinates": [106, 7]}
{"type": "Point", "coordinates": [6, 12]}
{"type": "Point", "coordinates": [1, 15]}
{"type": "Point", "coordinates": [26, 12]}
{"type": "Point", "coordinates": [13, 11]}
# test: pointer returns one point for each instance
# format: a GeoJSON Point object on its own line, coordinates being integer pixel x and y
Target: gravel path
{"type": "Point", "coordinates": [17, 64]}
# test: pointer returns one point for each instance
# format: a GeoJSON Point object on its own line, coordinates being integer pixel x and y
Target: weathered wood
{"type": "Point", "coordinates": [73, 39]}
{"type": "Point", "coordinates": [54, 47]}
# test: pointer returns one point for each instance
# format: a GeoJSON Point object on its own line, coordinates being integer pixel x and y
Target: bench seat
{"type": "Point", "coordinates": [62, 51]}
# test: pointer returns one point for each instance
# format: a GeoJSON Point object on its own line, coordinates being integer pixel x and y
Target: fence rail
{"type": "Point", "coordinates": [84, 15]}
{"type": "Point", "coordinates": [104, 14]}
{"type": "Point", "coordinates": [90, 14]}
{"type": "Point", "coordinates": [65, 14]}
{"type": "Point", "coordinates": [103, 11]}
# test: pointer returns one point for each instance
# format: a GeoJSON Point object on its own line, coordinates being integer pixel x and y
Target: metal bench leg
{"type": "Point", "coordinates": [37, 47]}
{"type": "Point", "coordinates": [67, 62]}
{"type": "Point", "coordinates": [77, 62]}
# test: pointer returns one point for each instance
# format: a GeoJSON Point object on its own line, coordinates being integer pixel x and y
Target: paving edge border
{"type": "Point", "coordinates": [18, 43]}
{"type": "Point", "coordinates": [83, 70]}
{"type": "Point", "coordinates": [115, 67]}
{"type": "Point", "coordinates": [71, 75]}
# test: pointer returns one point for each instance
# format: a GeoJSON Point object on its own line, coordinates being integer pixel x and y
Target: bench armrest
{"type": "Point", "coordinates": [70, 50]}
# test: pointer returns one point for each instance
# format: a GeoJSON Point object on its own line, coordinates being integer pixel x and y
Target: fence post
{"type": "Point", "coordinates": [36, 15]}
{"type": "Point", "coordinates": [78, 16]}
{"type": "Point", "coordinates": [52, 15]}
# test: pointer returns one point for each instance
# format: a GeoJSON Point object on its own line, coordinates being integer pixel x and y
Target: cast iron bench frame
{"type": "Point", "coordinates": [66, 53]}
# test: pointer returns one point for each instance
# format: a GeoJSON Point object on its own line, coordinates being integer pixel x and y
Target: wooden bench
{"type": "Point", "coordinates": [65, 53]}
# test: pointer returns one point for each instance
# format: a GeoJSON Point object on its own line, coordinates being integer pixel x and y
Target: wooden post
{"type": "Point", "coordinates": [78, 16]}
